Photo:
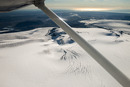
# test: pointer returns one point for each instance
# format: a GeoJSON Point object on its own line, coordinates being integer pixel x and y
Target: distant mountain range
{"type": "Point", "coordinates": [26, 20]}
{"type": "Point", "coordinates": [121, 11]}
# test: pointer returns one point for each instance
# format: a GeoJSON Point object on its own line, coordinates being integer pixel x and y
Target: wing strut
{"type": "Point", "coordinates": [106, 64]}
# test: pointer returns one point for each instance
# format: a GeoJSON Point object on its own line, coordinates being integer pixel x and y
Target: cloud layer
{"type": "Point", "coordinates": [113, 4]}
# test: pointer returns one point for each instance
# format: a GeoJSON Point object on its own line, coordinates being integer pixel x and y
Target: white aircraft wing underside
{"type": "Point", "coordinates": [8, 5]}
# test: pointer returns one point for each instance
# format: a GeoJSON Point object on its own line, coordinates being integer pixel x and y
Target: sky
{"type": "Point", "coordinates": [89, 5]}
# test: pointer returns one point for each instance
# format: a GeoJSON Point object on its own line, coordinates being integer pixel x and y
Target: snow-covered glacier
{"type": "Point", "coordinates": [48, 57]}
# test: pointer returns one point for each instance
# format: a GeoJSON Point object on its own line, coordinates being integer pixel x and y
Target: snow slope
{"type": "Point", "coordinates": [115, 25]}
{"type": "Point", "coordinates": [47, 57]}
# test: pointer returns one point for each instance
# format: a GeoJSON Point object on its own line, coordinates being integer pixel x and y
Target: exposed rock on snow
{"type": "Point", "coordinates": [60, 36]}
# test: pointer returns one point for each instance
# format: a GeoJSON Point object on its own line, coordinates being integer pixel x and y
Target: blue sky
{"type": "Point", "coordinates": [88, 4]}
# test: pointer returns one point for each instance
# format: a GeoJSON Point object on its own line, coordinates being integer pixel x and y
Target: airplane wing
{"type": "Point", "coordinates": [9, 5]}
